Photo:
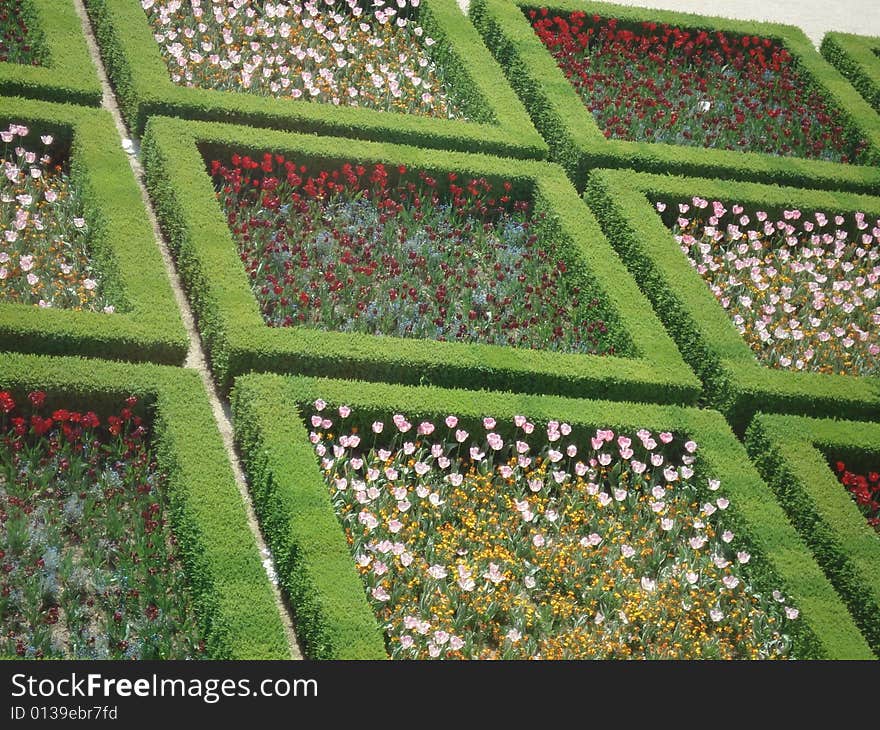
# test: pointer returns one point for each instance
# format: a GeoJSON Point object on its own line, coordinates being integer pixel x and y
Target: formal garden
{"type": "Point", "coordinates": [384, 330]}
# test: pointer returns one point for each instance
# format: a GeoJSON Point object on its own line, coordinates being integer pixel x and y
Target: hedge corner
{"type": "Point", "coordinates": [146, 325]}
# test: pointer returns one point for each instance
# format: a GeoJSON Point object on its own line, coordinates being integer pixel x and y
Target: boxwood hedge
{"type": "Point", "coordinates": [66, 72]}
{"type": "Point", "coordinates": [234, 603]}
{"type": "Point", "coordinates": [793, 454]}
{"type": "Point", "coordinates": [578, 144]}
{"type": "Point", "coordinates": [239, 341]}
{"type": "Point", "coordinates": [499, 124]}
{"type": "Point", "coordinates": [856, 57]}
{"type": "Point", "coordinates": [147, 324]}
{"type": "Point", "coordinates": [333, 618]}
{"type": "Point", "coordinates": [736, 383]}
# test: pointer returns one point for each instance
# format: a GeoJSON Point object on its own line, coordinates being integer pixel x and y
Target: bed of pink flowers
{"type": "Point", "coordinates": [519, 540]}
{"type": "Point", "coordinates": [801, 286]}
{"type": "Point", "coordinates": [333, 51]}
{"type": "Point", "coordinates": [44, 252]}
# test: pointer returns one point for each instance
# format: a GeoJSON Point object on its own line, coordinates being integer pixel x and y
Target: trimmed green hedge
{"type": "Point", "coordinates": [234, 603]}
{"type": "Point", "coordinates": [500, 124]}
{"type": "Point", "coordinates": [66, 72]}
{"type": "Point", "coordinates": [577, 142]}
{"type": "Point", "coordinates": [855, 56]}
{"type": "Point", "coordinates": [147, 324]}
{"type": "Point", "coordinates": [736, 383]}
{"type": "Point", "coordinates": [793, 455]}
{"type": "Point", "coordinates": [239, 340]}
{"type": "Point", "coordinates": [317, 571]}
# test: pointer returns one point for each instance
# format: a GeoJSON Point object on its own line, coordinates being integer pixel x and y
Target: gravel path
{"type": "Point", "coordinates": [196, 359]}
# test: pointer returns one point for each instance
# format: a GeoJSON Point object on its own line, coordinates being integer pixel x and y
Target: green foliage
{"type": "Point", "coordinates": [792, 453]}
{"type": "Point", "coordinates": [144, 87]}
{"type": "Point", "coordinates": [735, 383]}
{"type": "Point", "coordinates": [239, 341]}
{"type": "Point", "coordinates": [577, 142]}
{"type": "Point", "coordinates": [316, 568]}
{"type": "Point", "coordinates": [147, 324]}
{"type": "Point", "coordinates": [66, 72]}
{"type": "Point", "coordinates": [231, 592]}
{"type": "Point", "coordinates": [855, 56]}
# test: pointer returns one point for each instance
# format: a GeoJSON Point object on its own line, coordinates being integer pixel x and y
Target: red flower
{"type": "Point", "coordinates": [40, 426]}
{"type": "Point", "coordinates": [6, 402]}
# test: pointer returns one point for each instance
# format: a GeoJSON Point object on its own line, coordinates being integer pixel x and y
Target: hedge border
{"type": "Point", "coordinates": [145, 89]}
{"type": "Point", "coordinates": [578, 144]}
{"type": "Point", "coordinates": [736, 383]}
{"type": "Point", "coordinates": [854, 56]}
{"type": "Point", "coordinates": [792, 454]}
{"type": "Point", "coordinates": [315, 567]}
{"type": "Point", "coordinates": [67, 73]}
{"type": "Point", "coordinates": [239, 340]}
{"type": "Point", "coordinates": [147, 324]}
{"type": "Point", "coordinates": [234, 601]}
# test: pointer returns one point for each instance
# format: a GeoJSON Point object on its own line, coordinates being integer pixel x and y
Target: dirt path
{"type": "Point", "coordinates": [195, 358]}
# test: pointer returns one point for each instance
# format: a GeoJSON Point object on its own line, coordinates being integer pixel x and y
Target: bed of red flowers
{"type": "Point", "coordinates": [658, 83]}
{"type": "Point", "coordinates": [865, 490]}
{"type": "Point", "coordinates": [89, 568]}
{"type": "Point", "coordinates": [393, 252]}
{"type": "Point", "coordinates": [15, 39]}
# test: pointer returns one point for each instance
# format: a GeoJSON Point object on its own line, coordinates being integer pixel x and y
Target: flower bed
{"type": "Point", "coordinates": [16, 43]}
{"type": "Point", "coordinates": [542, 546]}
{"type": "Point", "coordinates": [778, 314]}
{"type": "Point", "coordinates": [75, 235]}
{"type": "Point", "coordinates": [865, 490]}
{"type": "Point", "coordinates": [88, 565]}
{"type": "Point", "coordinates": [177, 158]}
{"type": "Point", "coordinates": [44, 255]}
{"type": "Point", "coordinates": [662, 83]}
{"type": "Point", "coordinates": [320, 50]}
{"type": "Point", "coordinates": [459, 75]}
{"type": "Point", "coordinates": [647, 131]}
{"type": "Point", "coordinates": [350, 249]}
{"type": "Point", "coordinates": [337, 615]}
{"type": "Point", "coordinates": [801, 287]}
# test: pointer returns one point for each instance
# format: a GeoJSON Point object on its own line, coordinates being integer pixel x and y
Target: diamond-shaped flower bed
{"type": "Point", "coordinates": [659, 91]}
{"type": "Point", "coordinates": [412, 71]}
{"type": "Point", "coordinates": [44, 256]}
{"type": "Point", "coordinates": [322, 50]}
{"type": "Point", "coordinates": [346, 248]}
{"type": "Point", "coordinates": [662, 83]}
{"type": "Point", "coordinates": [770, 292]}
{"type": "Point", "coordinates": [802, 287]}
{"type": "Point", "coordinates": [388, 262]}
{"type": "Point", "coordinates": [122, 531]}
{"type": "Point", "coordinates": [412, 524]}
{"type": "Point", "coordinates": [80, 272]}
{"type": "Point", "coordinates": [89, 567]}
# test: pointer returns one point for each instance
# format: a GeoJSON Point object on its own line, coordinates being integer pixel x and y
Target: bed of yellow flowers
{"type": "Point", "coordinates": [44, 252]}
{"type": "Point", "coordinates": [543, 544]}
